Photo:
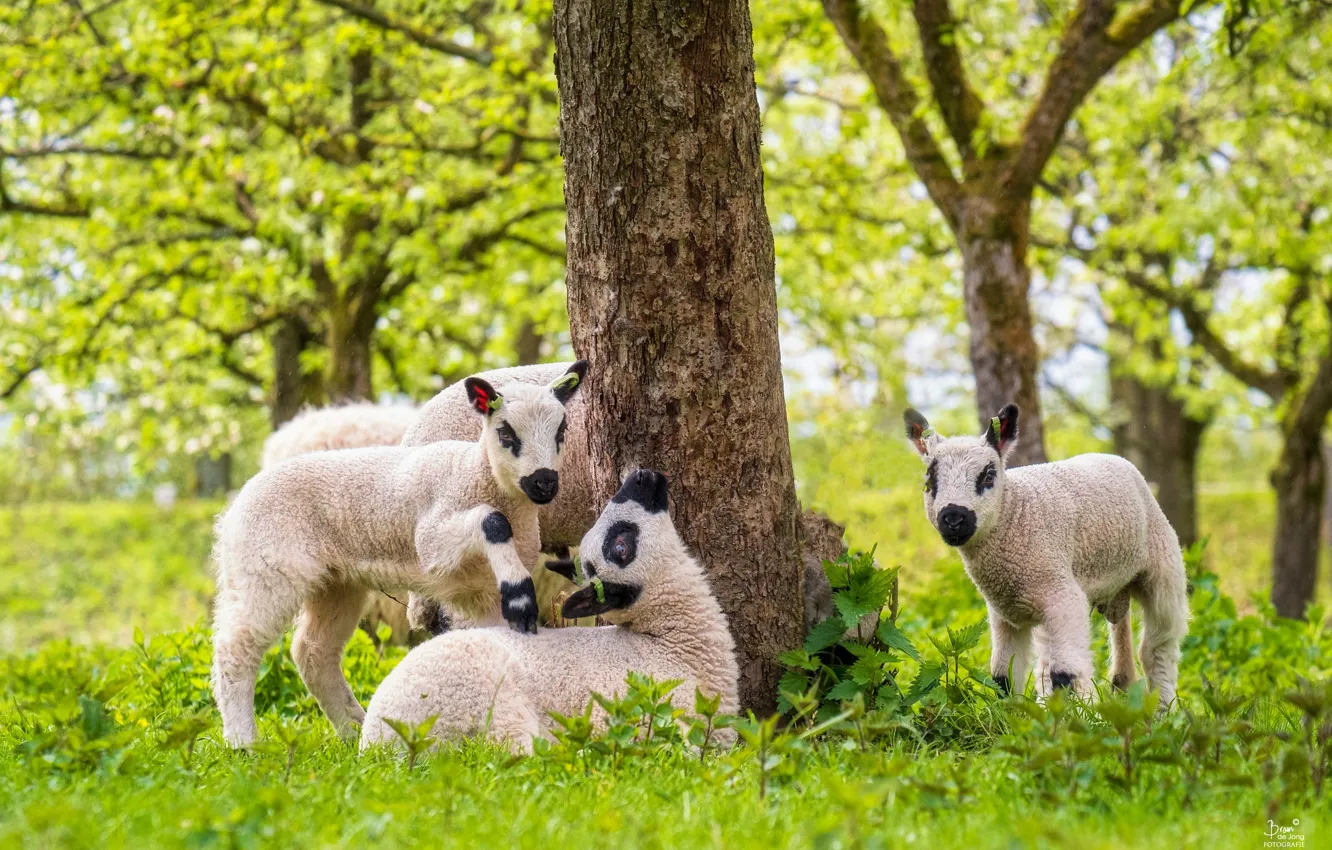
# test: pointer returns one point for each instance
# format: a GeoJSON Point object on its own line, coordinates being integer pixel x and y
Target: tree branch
{"type": "Point", "coordinates": [371, 15]}
{"type": "Point", "coordinates": [1094, 42]}
{"type": "Point", "coordinates": [1269, 383]}
{"type": "Point", "coordinates": [961, 107]}
{"type": "Point", "coordinates": [869, 47]}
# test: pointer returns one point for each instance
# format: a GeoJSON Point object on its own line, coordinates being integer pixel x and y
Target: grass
{"type": "Point", "coordinates": [92, 572]}
{"type": "Point", "coordinates": [109, 738]}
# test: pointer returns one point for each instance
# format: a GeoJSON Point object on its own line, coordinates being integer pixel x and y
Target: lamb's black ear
{"type": "Point", "coordinates": [917, 429]}
{"type": "Point", "coordinates": [1002, 432]}
{"type": "Point", "coordinates": [567, 384]}
{"type": "Point", "coordinates": [648, 487]}
{"type": "Point", "coordinates": [482, 396]}
{"type": "Point", "coordinates": [598, 598]}
{"type": "Point", "coordinates": [563, 567]}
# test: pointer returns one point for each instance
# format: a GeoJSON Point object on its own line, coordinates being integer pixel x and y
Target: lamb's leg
{"type": "Point", "coordinates": [328, 622]}
{"type": "Point", "coordinates": [1011, 650]}
{"type": "Point", "coordinates": [444, 544]}
{"type": "Point", "coordinates": [1162, 590]}
{"type": "Point", "coordinates": [245, 625]}
{"type": "Point", "coordinates": [1068, 629]}
{"type": "Point", "coordinates": [1042, 670]}
{"type": "Point", "coordinates": [1123, 672]}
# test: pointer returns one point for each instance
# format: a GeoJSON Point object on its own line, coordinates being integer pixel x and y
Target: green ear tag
{"type": "Point", "coordinates": [928, 432]}
{"type": "Point", "coordinates": [601, 590]}
{"type": "Point", "coordinates": [496, 403]}
{"type": "Point", "coordinates": [567, 381]}
{"type": "Point", "coordinates": [994, 423]}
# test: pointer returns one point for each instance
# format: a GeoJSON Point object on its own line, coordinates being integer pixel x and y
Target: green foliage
{"type": "Point", "coordinates": [91, 572]}
{"type": "Point", "coordinates": [121, 746]}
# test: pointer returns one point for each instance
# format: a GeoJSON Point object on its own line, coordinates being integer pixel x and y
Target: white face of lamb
{"type": "Point", "coordinates": [964, 488]}
{"type": "Point", "coordinates": [524, 431]}
{"type": "Point", "coordinates": [630, 543]}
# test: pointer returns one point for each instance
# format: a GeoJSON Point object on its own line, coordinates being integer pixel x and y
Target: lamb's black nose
{"type": "Point", "coordinates": [956, 524]}
{"type": "Point", "coordinates": [541, 486]}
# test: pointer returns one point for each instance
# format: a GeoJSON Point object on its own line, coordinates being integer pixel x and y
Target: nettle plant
{"type": "Point", "coordinates": [843, 664]}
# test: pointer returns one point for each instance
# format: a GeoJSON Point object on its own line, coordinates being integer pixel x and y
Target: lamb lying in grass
{"type": "Point", "coordinates": [450, 520]}
{"type": "Point", "coordinates": [1046, 543]}
{"type": "Point", "coordinates": [491, 681]}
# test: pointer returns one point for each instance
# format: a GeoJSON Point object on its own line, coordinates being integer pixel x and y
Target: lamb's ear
{"type": "Point", "coordinates": [567, 384]}
{"type": "Point", "coordinates": [918, 431]}
{"type": "Point", "coordinates": [598, 598]}
{"type": "Point", "coordinates": [648, 487]}
{"type": "Point", "coordinates": [483, 397]}
{"type": "Point", "coordinates": [1003, 431]}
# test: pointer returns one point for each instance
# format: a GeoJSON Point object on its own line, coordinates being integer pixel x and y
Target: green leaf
{"type": "Point", "coordinates": [892, 636]}
{"type": "Point", "coordinates": [825, 634]}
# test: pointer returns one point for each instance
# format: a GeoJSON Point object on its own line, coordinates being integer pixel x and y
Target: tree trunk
{"type": "Point", "coordinates": [212, 475]}
{"type": "Point", "coordinates": [293, 389]}
{"type": "Point", "coordinates": [1300, 482]}
{"type": "Point", "coordinates": [527, 348]}
{"type": "Point", "coordinates": [1004, 355]}
{"type": "Point", "coordinates": [1155, 433]}
{"type": "Point", "coordinates": [672, 295]}
{"type": "Point", "coordinates": [350, 333]}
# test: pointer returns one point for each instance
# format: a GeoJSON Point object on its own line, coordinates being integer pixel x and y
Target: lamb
{"type": "Point", "coordinates": [668, 625]}
{"type": "Point", "coordinates": [1046, 543]}
{"type": "Point", "coordinates": [566, 519]}
{"type": "Point", "coordinates": [452, 520]}
{"type": "Point", "coordinates": [348, 426]}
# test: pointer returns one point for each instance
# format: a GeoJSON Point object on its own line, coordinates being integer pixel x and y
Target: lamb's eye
{"type": "Point", "coordinates": [559, 434]}
{"type": "Point", "coordinates": [621, 544]}
{"type": "Point", "coordinates": [986, 479]}
{"type": "Point", "coordinates": [508, 438]}
{"type": "Point", "coordinates": [932, 479]}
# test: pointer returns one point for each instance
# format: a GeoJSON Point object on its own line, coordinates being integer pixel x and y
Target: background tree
{"type": "Point", "coordinates": [672, 297]}
{"type": "Point", "coordinates": [252, 183]}
{"type": "Point", "coordinates": [1220, 225]}
{"type": "Point", "coordinates": [984, 189]}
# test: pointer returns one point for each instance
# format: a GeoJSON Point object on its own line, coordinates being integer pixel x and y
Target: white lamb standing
{"type": "Point", "coordinates": [667, 625]}
{"type": "Point", "coordinates": [1045, 544]}
{"type": "Point", "coordinates": [451, 520]}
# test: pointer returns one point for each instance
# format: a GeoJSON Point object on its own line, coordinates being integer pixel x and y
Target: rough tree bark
{"type": "Point", "coordinates": [672, 295]}
{"type": "Point", "coordinates": [986, 202]}
{"type": "Point", "coordinates": [1300, 479]}
{"type": "Point", "coordinates": [1155, 432]}
{"type": "Point", "coordinates": [527, 348]}
{"type": "Point", "coordinates": [293, 388]}
{"type": "Point", "coordinates": [350, 336]}
{"type": "Point", "coordinates": [1004, 355]}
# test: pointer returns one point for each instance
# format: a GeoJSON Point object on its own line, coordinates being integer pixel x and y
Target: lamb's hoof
{"type": "Point", "coordinates": [1061, 680]}
{"type": "Point", "coordinates": [518, 604]}
{"type": "Point", "coordinates": [1121, 683]}
{"type": "Point", "coordinates": [1002, 682]}
{"type": "Point", "coordinates": [434, 619]}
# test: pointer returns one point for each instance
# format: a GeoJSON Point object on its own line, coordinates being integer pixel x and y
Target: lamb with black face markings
{"type": "Point", "coordinates": [455, 521]}
{"type": "Point", "coordinates": [1045, 544]}
{"type": "Point", "coordinates": [665, 624]}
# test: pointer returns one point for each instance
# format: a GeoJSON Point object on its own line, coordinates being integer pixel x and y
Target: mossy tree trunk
{"type": "Point", "coordinates": [672, 295]}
